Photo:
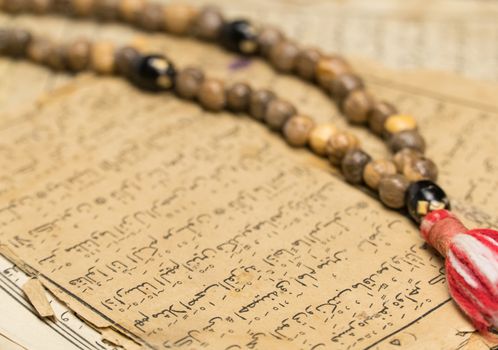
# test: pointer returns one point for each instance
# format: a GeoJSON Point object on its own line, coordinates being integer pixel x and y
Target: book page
{"type": "Point", "coordinates": [188, 229]}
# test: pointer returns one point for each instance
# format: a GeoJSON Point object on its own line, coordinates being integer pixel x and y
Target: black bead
{"type": "Point", "coordinates": [423, 197]}
{"type": "Point", "coordinates": [154, 73]}
{"type": "Point", "coordinates": [239, 36]}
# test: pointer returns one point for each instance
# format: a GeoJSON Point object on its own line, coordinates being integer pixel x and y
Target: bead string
{"type": "Point", "coordinates": [472, 255]}
{"type": "Point", "coordinates": [409, 172]}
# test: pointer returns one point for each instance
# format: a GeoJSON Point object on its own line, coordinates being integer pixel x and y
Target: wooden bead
{"type": "Point", "coordinates": [378, 116]}
{"type": "Point", "coordinates": [208, 23]}
{"type": "Point", "coordinates": [102, 57]}
{"type": "Point", "coordinates": [405, 156]}
{"type": "Point", "coordinates": [78, 55]}
{"type": "Point", "coordinates": [126, 59]}
{"type": "Point", "coordinates": [319, 137]}
{"type": "Point", "coordinates": [353, 164]}
{"type": "Point", "coordinates": [267, 38]}
{"type": "Point", "coordinates": [17, 42]}
{"type": "Point", "coordinates": [392, 189]}
{"type": "Point", "coordinates": [399, 122]}
{"type": "Point", "coordinates": [420, 169]}
{"type": "Point", "coordinates": [106, 10]}
{"type": "Point", "coordinates": [407, 139]}
{"type": "Point", "coordinates": [297, 130]}
{"type": "Point", "coordinates": [56, 58]}
{"type": "Point", "coordinates": [277, 113]}
{"type": "Point", "coordinates": [179, 18]}
{"type": "Point", "coordinates": [339, 144]}
{"type": "Point", "coordinates": [258, 103]}
{"type": "Point", "coordinates": [188, 82]}
{"type": "Point", "coordinates": [14, 6]}
{"type": "Point", "coordinates": [39, 49]}
{"type": "Point", "coordinates": [129, 10]}
{"type": "Point", "coordinates": [376, 170]}
{"type": "Point", "coordinates": [345, 84]}
{"type": "Point", "coordinates": [64, 7]}
{"type": "Point", "coordinates": [328, 68]}
{"type": "Point", "coordinates": [306, 62]}
{"type": "Point", "coordinates": [238, 96]}
{"type": "Point", "coordinates": [150, 17]}
{"type": "Point", "coordinates": [283, 56]}
{"type": "Point", "coordinates": [357, 106]}
{"type": "Point", "coordinates": [83, 8]}
{"type": "Point", "coordinates": [211, 94]}
{"type": "Point", "coordinates": [40, 6]}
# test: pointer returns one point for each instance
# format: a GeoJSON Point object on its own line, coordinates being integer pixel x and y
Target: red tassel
{"type": "Point", "coordinates": [471, 265]}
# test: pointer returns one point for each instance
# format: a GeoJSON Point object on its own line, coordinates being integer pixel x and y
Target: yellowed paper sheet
{"type": "Point", "coordinates": [37, 297]}
{"type": "Point", "coordinates": [185, 229]}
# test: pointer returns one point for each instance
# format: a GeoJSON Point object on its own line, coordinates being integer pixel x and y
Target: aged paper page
{"type": "Point", "coordinates": [187, 229]}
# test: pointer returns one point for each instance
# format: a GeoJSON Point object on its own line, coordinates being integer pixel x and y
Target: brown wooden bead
{"type": "Point", "coordinates": [339, 144]}
{"type": "Point", "coordinates": [330, 67]}
{"type": "Point", "coordinates": [399, 122]}
{"type": "Point", "coordinates": [405, 156]}
{"type": "Point", "coordinates": [4, 40]}
{"type": "Point", "coordinates": [267, 38]}
{"type": "Point", "coordinates": [150, 17]}
{"type": "Point", "coordinates": [179, 18]}
{"type": "Point", "coordinates": [78, 55]}
{"type": "Point", "coordinates": [126, 60]}
{"type": "Point", "coordinates": [376, 170]}
{"type": "Point", "coordinates": [306, 62]}
{"type": "Point", "coordinates": [319, 137]}
{"type": "Point", "coordinates": [258, 103]}
{"type": "Point", "coordinates": [130, 10]}
{"type": "Point", "coordinates": [420, 169]}
{"type": "Point", "coordinates": [106, 10]}
{"type": "Point", "coordinates": [407, 139]}
{"type": "Point", "coordinates": [64, 7]}
{"type": "Point", "coordinates": [357, 106]}
{"type": "Point", "coordinates": [14, 6]}
{"type": "Point", "coordinates": [56, 58]}
{"type": "Point", "coordinates": [283, 56]}
{"type": "Point", "coordinates": [297, 130]}
{"type": "Point", "coordinates": [102, 57]}
{"type": "Point", "coordinates": [40, 6]}
{"type": "Point", "coordinates": [238, 96]}
{"type": "Point", "coordinates": [392, 189]}
{"type": "Point", "coordinates": [211, 94]}
{"type": "Point", "coordinates": [188, 82]}
{"type": "Point", "coordinates": [83, 8]}
{"type": "Point", "coordinates": [352, 165]}
{"type": "Point", "coordinates": [343, 85]}
{"type": "Point", "coordinates": [208, 23]}
{"type": "Point", "coordinates": [16, 42]}
{"type": "Point", "coordinates": [277, 113]}
{"type": "Point", "coordinates": [39, 50]}
{"type": "Point", "coordinates": [378, 116]}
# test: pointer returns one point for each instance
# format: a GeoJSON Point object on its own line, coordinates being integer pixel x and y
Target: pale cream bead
{"type": "Point", "coordinates": [102, 58]}
{"type": "Point", "coordinates": [399, 122]}
{"type": "Point", "coordinates": [319, 137]}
